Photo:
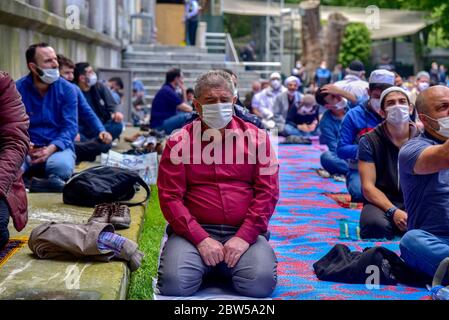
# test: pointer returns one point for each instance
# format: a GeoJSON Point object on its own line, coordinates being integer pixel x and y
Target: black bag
{"type": "Point", "coordinates": [103, 185]}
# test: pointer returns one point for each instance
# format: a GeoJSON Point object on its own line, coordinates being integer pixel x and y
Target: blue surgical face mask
{"type": "Point", "coordinates": [92, 80]}
{"type": "Point", "coordinates": [49, 76]}
{"type": "Point", "coordinates": [219, 115]}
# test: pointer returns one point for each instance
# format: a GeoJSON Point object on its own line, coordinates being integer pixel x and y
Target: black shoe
{"type": "Point", "coordinates": [298, 140]}
{"type": "Point", "coordinates": [51, 185]}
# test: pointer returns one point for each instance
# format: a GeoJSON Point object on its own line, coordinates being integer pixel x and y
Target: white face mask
{"type": "Point", "coordinates": [342, 104]}
{"type": "Point", "coordinates": [50, 76]}
{"type": "Point", "coordinates": [92, 80]}
{"type": "Point", "coordinates": [423, 86]}
{"type": "Point", "coordinates": [218, 116]}
{"type": "Point", "coordinates": [444, 126]}
{"type": "Point", "coordinates": [398, 114]}
{"type": "Point", "coordinates": [375, 104]}
{"type": "Point", "coordinates": [275, 84]}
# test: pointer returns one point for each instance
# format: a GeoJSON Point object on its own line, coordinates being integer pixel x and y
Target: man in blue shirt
{"type": "Point", "coordinates": [333, 99]}
{"type": "Point", "coordinates": [168, 111]}
{"type": "Point", "coordinates": [358, 121]}
{"type": "Point", "coordinates": [51, 104]}
{"type": "Point", "coordinates": [424, 174]}
{"type": "Point", "coordinates": [96, 140]}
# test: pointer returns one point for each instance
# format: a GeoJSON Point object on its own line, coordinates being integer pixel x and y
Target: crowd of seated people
{"type": "Point", "coordinates": [74, 117]}
{"type": "Point", "coordinates": [388, 141]}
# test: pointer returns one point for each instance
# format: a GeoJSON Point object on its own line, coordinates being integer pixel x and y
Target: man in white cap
{"type": "Point", "coordinates": [358, 121]}
{"type": "Point", "coordinates": [383, 215]}
{"type": "Point", "coordinates": [286, 100]}
{"type": "Point", "coordinates": [263, 102]}
{"type": "Point", "coordinates": [353, 82]}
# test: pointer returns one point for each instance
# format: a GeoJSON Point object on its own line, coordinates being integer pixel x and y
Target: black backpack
{"type": "Point", "coordinates": [103, 185]}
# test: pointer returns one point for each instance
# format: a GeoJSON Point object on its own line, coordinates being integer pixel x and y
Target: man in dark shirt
{"type": "Point", "coordinates": [100, 99]}
{"type": "Point", "coordinates": [383, 215]}
{"type": "Point", "coordinates": [169, 112]}
{"type": "Point", "coordinates": [89, 143]}
{"type": "Point", "coordinates": [303, 119]}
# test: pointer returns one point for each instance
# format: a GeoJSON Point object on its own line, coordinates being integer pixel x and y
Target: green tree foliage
{"type": "Point", "coordinates": [237, 26]}
{"type": "Point", "coordinates": [356, 44]}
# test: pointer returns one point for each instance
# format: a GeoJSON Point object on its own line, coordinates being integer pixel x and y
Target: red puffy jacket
{"type": "Point", "coordinates": [14, 146]}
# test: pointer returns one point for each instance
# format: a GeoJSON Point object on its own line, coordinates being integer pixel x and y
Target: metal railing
{"type": "Point", "coordinates": [222, 43]}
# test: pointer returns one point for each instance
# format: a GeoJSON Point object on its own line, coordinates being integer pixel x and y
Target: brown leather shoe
{"type": "Point", "coordinates": [120, 216]}
{"type": "Point", "coordinates": [102, 213]}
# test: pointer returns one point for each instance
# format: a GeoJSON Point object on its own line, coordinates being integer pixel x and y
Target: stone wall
{"type": "Point", "coordinates": [103, 32]}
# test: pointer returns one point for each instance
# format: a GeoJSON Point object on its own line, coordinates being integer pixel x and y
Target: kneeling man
{"type": "Point", "coordinates": [218, 198]}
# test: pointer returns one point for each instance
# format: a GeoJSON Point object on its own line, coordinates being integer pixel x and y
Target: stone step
{"type": "Point", "coordinates": [162, 48]}
{"type": "Point", "coordinates": [196, 65]}
{"type": "Point", "coordinates": [174, 56]}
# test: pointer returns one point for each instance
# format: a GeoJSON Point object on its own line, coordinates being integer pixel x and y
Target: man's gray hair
{"type": "Point", "coordinates": [215, 79]}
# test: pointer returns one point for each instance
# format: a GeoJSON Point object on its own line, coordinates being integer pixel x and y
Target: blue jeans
{"type": "Point", "coordinates": [4, 220]}
{"type": "Point", "coordinates": [424, 251]}
{"type": "Point", "coordinates": [176, 122]}
{"type": "Point", "coordinates": [333, 164]}
{"type": "Point", "coordinates": [290, 130]}
{"type": "Point", "coordinates": [354, 185]}
{"type": "Point", "coordinates": [61, 164]}
{"type": "Point", "coordinates": [114, 128]}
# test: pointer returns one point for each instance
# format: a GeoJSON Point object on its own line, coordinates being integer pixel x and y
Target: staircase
{"type": "Point", "coordinates": [150, 63]}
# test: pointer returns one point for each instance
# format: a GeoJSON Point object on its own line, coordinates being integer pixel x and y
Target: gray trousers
{"type": "Point", "coordinates": [375, 225]}
{"type": "Point", "coordinates": [182, 271]}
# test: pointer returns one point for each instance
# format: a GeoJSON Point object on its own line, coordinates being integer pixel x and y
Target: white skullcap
{"type": "Point", "coordinates": [382, 77]}
{"type": "Point", "coordinates": [393, 89]}
{"type": "Point", "coordinates": [275, 75]}
{"type": "Point", "coordinates": [292, 79]}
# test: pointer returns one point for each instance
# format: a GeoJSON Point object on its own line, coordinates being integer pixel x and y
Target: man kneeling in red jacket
{"type": "Point", "coordinates": [14, 145]}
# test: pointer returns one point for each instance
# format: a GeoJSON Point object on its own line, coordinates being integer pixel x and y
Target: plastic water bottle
{"type": "Point", "coordinates": [440, 293]}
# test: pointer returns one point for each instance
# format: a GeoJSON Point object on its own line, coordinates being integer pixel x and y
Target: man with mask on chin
{"type": "Point", "coordinates": [218, 211]}
{"type": "Point", "coordinates": [100, 98]}
{"type": "Point", "coordinates": [424, 173]}
{"type": "Point", "coordinates": [359, 121]}
{"type": "Point", "coordinates": [263, 102]}
{"type": "Point", "coordinates": [51, 103]}
{"type": "Point", "coordinates": [383, 215]}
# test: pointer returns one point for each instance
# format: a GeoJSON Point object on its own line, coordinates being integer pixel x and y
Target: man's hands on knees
{"type": "Point", "coordinates": [400, 219]}
{"type": "Point", "coordinates": [211, 251]}
{"type": "Point", "coordinates": [105, 137]}
{"type": "Point", "coordinates": [233, 250]}
{"type": "Point", "coordinates": [41, 155]}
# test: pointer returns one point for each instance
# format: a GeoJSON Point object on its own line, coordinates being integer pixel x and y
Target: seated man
{"type": "Point", "coordinates": [303, 119]}
{"type": "Point", "coordinates": [169, 112]}
{"type": "Point", "coordinates": [100, 99]}
{"type": "Point", "coordinates": [383, 215]}
{"type": "Point", "coordinates": [263, 102]}
{"type": "Point", "coordinates": [333, 99]}
{"type": "Point", "coordinates": [116, 85]}
{"type": "Point", "coordinates": [14, 145]}
{"type": "Point", "coordinates": [286, 100]}
{"type": "Point", "coordinates": [218, 213]}
{"type": "Point", "coordinates": [51, 103]}
{"type": "Point", "coordinates": [96, 140]}
{"type": "Point", "coordinates": [423, 167]}
{"type": "Point", "coordinates": [358, 121]}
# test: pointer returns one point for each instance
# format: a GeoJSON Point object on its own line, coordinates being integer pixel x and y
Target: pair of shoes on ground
{"type": "Point", "coordinates": [52, 184]}
{"type": "Point", "coordinates": [114, 213]}
{"type": "Point", "coordinates": [143, 142]}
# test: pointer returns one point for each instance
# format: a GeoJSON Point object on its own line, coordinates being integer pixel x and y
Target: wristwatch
{"type": "Point", "coordinates": [390, 212]}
